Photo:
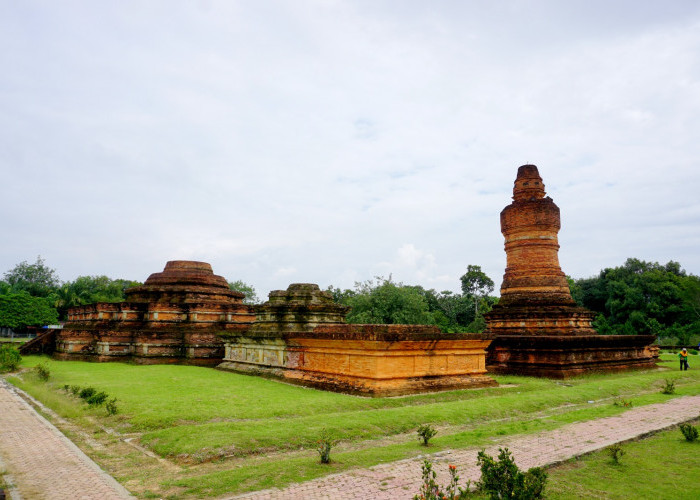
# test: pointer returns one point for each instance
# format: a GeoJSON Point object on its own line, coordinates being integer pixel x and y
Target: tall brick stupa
{"type": "Point", "coordinates": [539, 328]}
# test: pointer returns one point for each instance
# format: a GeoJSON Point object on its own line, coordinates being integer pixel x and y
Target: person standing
{"type": "Point", "coordinates": [683, 356]}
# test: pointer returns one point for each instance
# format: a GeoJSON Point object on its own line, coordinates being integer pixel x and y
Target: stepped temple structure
{"type": "Point", "coordinates": [175, 316]}
{"type": "Point", "coordinates": [187, 314]}
{"type": "Point", "coordinates": [539, 330]}
{"type": "Point", "coordinates": [301, 335]}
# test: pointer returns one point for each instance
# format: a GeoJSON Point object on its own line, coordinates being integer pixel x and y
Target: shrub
{"type": "Point", "coordinates": [690, 433]}
{"type": "Point", "coordinates": [42, 371]}
{"type": "Point", "coordinates": [111, 407]}
{"type": "Point", "coordinates": [97, 399]}
{"type": "Point", "coordinates": [431, 490]}
{"type": "Point", "coordinates": [615, 451]}
{"type": "Point", "coordinates": [503, 479]}
{"type": "Point", "coordinates": [693, 351]}
{"type": "Point", "coordinates": [10, 358]}
{"type": "Point", "coordinates": [87, 393]}
{"type": "Point", "coordinates": [75, 389]}
{"type": "Point", "coordinates": [669, 388]}
{"type": "Point", "coordinates": [324, 446]}
{"type": "Point", "coordinates": [425, 432]}
{"type": "Point", "coordinates": [626, 403]}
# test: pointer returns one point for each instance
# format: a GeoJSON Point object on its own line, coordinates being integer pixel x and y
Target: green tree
{"type": "Point", "coordinates": [19, 310]}
{"type": "Point", "coordinates": [382, 301]}
{"type": "Point", "coordinates": [475, 283]}
{"type": "Point", "coordinates": [36, 279]}
{"type": "Point", "coordinates": [251, 296]}
{"type": "Point", "coordinates": [89, 290]}
{"type": "Point", "coordinates": [642, 298]}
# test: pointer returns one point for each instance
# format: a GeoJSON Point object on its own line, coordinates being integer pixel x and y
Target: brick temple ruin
{"type": "Point", "coordinates": [176, 316]}
{"type": "Point", "coordinates": [187, 314]}
{"type": "Point", "coordinates": [301, 335]}
{"type": "Point", "coordinates": [539, 329]}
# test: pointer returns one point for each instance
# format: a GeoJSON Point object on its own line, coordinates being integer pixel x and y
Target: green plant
{"type": "Point", "coordinates": [324, 446]}
{"type": "Point", "coordinates": [75, 389]}
{"type": "Point", "coordinates": [625, 403]}
{"type": "Point", "coordinates": [502, 478]}
{"type": "Point", "coordinates": [111, 407]}
{"type": "Point", "coordinates": [690, 433]}
{"type": "Point", "coordinates": [425, 432]}
{"type": "Point", "coordinates": [97, 399]}
{"type": "Point", "coordinates": [616, 452]}
{"type": "Point", "coordinates": [43, 371]}
{"type": "Point", "coordinates": [10, 357]}
{"type": "Point", "coordinates": [87, 393]}
{"type": "Point", "coordinates": [431, 490]}
{"type": "Point", "coordinates": [693, 352]}
{"type": "Point", "coordinates": [669, 388]}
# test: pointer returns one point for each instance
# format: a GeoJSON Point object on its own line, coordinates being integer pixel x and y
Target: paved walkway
{"type": "Point", "coordinates": [402, 480]}
{"type": "Point", "coordinates": [42, 462]}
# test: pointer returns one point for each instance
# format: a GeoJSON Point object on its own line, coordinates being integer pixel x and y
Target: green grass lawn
{"type": "Point", "coordinates": [663, 466]}
{"type": "Point", "coordinates": [228, 432]}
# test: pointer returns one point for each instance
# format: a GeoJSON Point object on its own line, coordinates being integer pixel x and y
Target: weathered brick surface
{"type": "Point", "coordinates": [300, 335]}
{"type": "Point", "coordinates": [175, 316]}
{"type": "Point", "coordinates": [43, 463]}
{"type": "Point", "coordinates": [402, 480]}
{"type": "Point", "coordinates": [539, 329]}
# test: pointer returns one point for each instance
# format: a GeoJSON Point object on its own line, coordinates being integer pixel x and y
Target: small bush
{"type": "Point", "coordinates": [625, 403]}
{"type": "Point", "coordinates": [669, 388]}
{"type": "Point", "coordinates": [693, 352]}
{"type": "Point", "coordinates": [324, 446]}
{"type": "Point", "coordinates": [503, 479]}
{"type": "Point", "coordinates": [616, 452]}
{"type": "Point", "coordinates": [87, 393]}
{"type": "Point", "coordinates": [111, 407]}
{"type": "Point", "coordinates": [43, 371]}
{"type": "Point", "coordinates": [431, 490]}
{"type": "Point", "coordinates": [690, 433]}
{"type": "Point", "coordinates": [425, 432]}
{"type": "Point", "coordinates": [75, 389]}
{"type": "Point", "coordinates": [97, 399]}
{"type": "Point", "coordinates": [10, 358]}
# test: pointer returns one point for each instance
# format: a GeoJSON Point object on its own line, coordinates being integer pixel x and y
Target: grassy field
{"type": "Point", "coordinates": [216, 432]}
{"type": "Point", "coordinates": [664, 466]}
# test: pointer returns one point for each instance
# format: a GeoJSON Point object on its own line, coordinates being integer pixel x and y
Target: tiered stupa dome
{"type": "Point", "coordinates": [184, 281]}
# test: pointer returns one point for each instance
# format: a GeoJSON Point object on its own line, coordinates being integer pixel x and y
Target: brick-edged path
{"type": "Point", "coordinates": [43, 463]}
{"type": "Point", "coordinates": [402, 480]}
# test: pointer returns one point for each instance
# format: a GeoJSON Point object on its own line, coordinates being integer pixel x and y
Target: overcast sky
{"type": "Point", "coordinates": [334, 141]}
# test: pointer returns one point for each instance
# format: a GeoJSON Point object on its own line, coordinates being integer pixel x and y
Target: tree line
{"type": "Point", "coordinates": [33, 295]}
{"type": "Point", "coordinates": [384, 301]}
{"type": "Point", "coordinates": [636, 298]}
{"type": "Point", "coordinates": [643, 298]}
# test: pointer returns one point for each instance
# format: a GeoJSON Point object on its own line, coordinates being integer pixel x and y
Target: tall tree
{"type": "Point", "coordinates": [477, 284]}
{"type": "Point", "coordinates": [36, 279]}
